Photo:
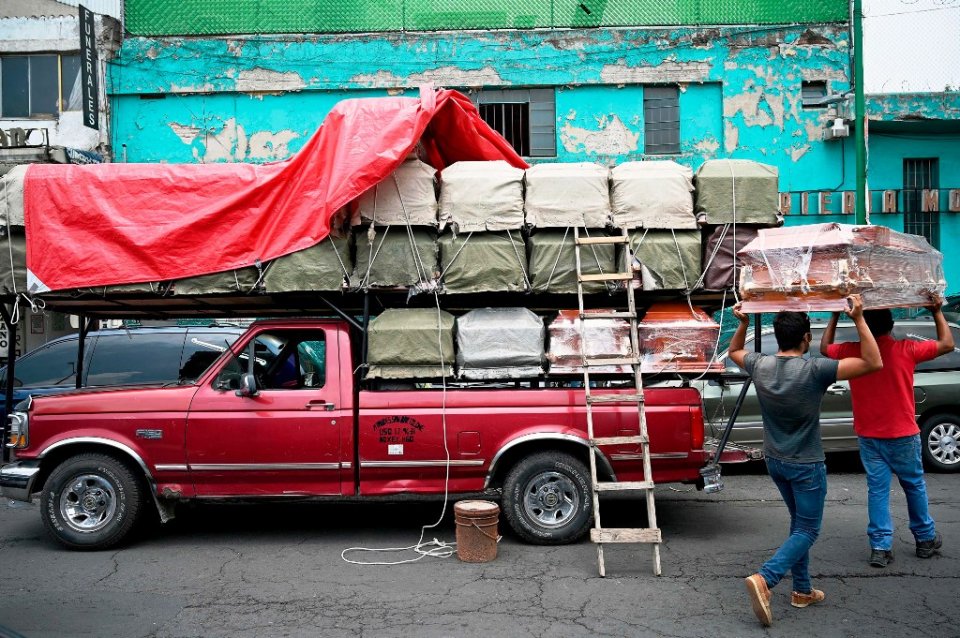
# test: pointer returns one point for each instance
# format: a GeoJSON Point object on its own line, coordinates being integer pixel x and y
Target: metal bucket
{"type": "Point", "coordinates": [476, 530]}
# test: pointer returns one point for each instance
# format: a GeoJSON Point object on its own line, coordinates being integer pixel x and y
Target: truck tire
{"type": "Point", "coordinates": [547, 499]}
{"type": "Point", "coordinates": [940, 442]}
{"type": "Point", "coordinates": [91, 501]}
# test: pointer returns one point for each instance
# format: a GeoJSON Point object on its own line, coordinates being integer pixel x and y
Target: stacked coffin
{"type": "Point", "coordinates": [815, 267]}
{"type": "Point", "coordinates": [572, 338]}
{"type": "Point", "coordinates": [654, 201]}
{"type": "Point", "coordinates": [395, 226]}
{"type": "Point", "coordinates": [500, 343]}
{"type": "Point", "coordinates": [735, 199]}
{"type": "Point", "coordinates": [560, 198]}
{"type": "Point", "coordinates": [677, 337]}
{"type": "Point", "coordinates": [410, 343]}
{"type": "Point", "coordinates": [481, 209]}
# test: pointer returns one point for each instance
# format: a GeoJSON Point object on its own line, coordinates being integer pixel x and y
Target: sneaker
{"type": "Point", "coordinates": [760, 598]}
{"type": "Point", "coordinates": [880, 557]}
{"type": "Point", "coordinates": [805, 600]}
{"type": "Point", "coordinates": [926, 549]}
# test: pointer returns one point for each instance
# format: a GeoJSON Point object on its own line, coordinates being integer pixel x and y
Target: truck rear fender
{"type": "Point", "coordinates": [535, 442]}
{"type": "Point", "coordinates": [51, 456]}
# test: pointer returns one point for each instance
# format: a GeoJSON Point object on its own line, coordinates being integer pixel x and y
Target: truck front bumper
{"type": "Point", "coordinates": [16, 479]}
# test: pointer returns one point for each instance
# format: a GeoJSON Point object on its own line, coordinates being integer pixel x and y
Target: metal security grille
{"type": "Point", "coordinates": [525, 117]}
{"type": "Point", "coordinates": [512, 121]}
{"type": "Point", "coordinates": [221, 17]}
{"type": "Point", "coordinates": [918, 175]}
{"type": "Point", "coordinates": [661, 120]}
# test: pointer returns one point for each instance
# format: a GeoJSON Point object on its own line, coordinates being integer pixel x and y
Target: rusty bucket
{"type": "Point", "coordinates": [476, 530]}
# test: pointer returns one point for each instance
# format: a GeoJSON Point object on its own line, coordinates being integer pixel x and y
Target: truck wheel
{"type": "Point", "coordinates": [547, 499]}
{"type": "Point", "coordinates": [940, 441]}
{"type": "Point", "coordinates": [91, 501]}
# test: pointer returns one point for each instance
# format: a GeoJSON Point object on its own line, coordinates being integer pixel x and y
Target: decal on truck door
{"type": "Point", "coordinates": [397, 429]}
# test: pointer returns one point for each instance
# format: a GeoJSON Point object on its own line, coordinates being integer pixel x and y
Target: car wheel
{"type": "Point", "coordinates": [91, 501]}
{"type": "Point", "coordinates": [940, 438]}
{"type": "Point", "coordinates": [547, 499]}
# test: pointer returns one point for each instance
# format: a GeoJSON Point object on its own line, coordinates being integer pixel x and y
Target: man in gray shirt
{"type": "Point", "coordinates": [790, 389]}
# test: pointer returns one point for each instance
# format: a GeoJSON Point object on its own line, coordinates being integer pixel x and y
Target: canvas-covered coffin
{"type": "Point", "coordinates": [410, 343]}
{"type": "Point", "coordinates": [814, 267]}
{"type": "Point", "coordinates": [394, 256]}
{"type": "Point", "coordinates": [553, 261]}
{"type": "Point", "coordinates": [323, 267]}
{"type": "Point", "coordinates": [721, 264]}
{"type": "Point", "coordinates": [675, 337]}
{"type": "Point", "coordinates": [668, 259]}
{"type": "Point", "coordinates": [565, 195]}
{"type": "Point", "coordinates": [483, 262]}
{"type": "Point", "coordinates": [407, 196]}
{"type": "Point", "coordinates": [243, 281]}
{"type": "Point", "coordinates": [481, 196]}
{"type": "Point", "coordinates": [654, 194]}
{"type": "Point", "coordinates": [569, 335]}
{"type": "Point", "coordinates": [500, 343]}
{"type": "Point", "coordinates": [741, 191]}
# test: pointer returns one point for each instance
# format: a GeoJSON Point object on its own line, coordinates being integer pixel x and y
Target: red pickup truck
{"type": "Point", "coordinates": [280, 414]}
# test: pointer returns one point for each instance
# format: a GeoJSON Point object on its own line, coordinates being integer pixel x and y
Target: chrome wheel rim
{"type": "Point", "coordinates": [944, 443]}
{"type": "Point", "coordinates": [551, 499]}
{"type": "Point", "coordinates": [88, 503]}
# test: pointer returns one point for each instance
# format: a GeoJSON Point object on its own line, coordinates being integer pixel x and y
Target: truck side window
{"type": "Point", "coordinates": [285, 360]}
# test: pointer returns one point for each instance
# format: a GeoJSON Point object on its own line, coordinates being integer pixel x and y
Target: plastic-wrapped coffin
{"type": "Point", "coordinates": [408, 196]}
{"type": "Point", "coordinates": [676, 338]}
{"type": "Point", "coordinates": [814, 267]}
{"type": "Point", "coordinates": [323, 267]}
{"type": "Point", "coordinates": [483, 262]}
{"type": "Point", "coordinates": [553, 262]}
{"type": "Point", "coordinates": [410, 343]}
{"type": "Point", "coordinates": [481, 196]}
{"type": "Point", "coordinates": [395, 256]}
{"type": "Point", "coordinates": [500, 343]}
{"type": "Point", "coordinates": [740, 191]}
{"type": "Point", "coordinates": [604, 338]}
{"type": "Point", "coordinates": [669, 259]}
{"type": "Point", "coordinates": [656, 194]}
{"type": "Point", "coordinates": [565, 195]}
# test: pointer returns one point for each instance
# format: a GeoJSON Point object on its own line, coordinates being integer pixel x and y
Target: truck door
{"type": "Point", "coordinates": [284, 440]}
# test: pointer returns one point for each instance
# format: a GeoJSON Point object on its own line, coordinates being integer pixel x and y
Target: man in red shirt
{"type": "Point", "coordinates": [884, 418]}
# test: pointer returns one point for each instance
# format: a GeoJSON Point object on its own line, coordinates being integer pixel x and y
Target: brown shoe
{"type": "Point", "coordinates": [760, 598]}
{"type": "Point", "coordinates": [805, 600]}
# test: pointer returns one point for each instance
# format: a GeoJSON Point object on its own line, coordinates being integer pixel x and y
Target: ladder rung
{"type": "Point", "coordinates": [608, 315]}
{"type": "Point", "coordinates": [608, 276]}
{"type": "Point", "coordinates": [618, 486]}
{"type": "Point", "coordinates": [615, 398]}
{"type": "Point", "coordinates": [616, 239]}
{"type": "Point", "coordinates": [626, 535]}
{"type": "Point", "coordinates": [618, 440]}
{"type": "Point", "coordinates": [616, 361]}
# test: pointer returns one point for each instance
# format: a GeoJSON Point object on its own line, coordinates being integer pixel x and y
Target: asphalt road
{"type": "Point", "coordinates": [273, 570]}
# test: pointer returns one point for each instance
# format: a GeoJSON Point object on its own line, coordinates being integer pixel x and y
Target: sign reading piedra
{"type": "Point", "coordinates": [88, 69]}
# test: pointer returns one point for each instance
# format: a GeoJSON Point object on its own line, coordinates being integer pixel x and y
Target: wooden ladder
{"type": "Point", "coordinates": [594, 396]}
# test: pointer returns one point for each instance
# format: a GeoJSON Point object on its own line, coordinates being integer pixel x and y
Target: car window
{"type": "Point", "coordinates": [283, 360]}
{"type": "Point", "coordinates": [917, 332]}
{"type": "Point", "coordinates": [768, 345]}
{"type": "Point", "coordinates": [842, 335]}
{"type": "Point", "coordinates": [51, 365]}
{"type": "Point", "coordinates": [135, 358]}
{"type": "Point", "coordinates": [200, 350]}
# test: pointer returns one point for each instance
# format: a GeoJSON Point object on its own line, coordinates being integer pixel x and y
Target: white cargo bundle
{"type": "Point", "coordinates": [480, 196]}
{"type": "Point", "coordinates": [567, 195]}
{"type": "Point", "coordinates": [11, 197]}
{"type": "Point", "coordinates": [408, 196]}
{"type": "Point", "coordinates": [655, 194]}
{"type": "Point", "coordinates": [500, 343]}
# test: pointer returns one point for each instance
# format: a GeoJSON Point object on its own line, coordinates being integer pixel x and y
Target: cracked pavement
{"type": "Point", "coordinates": [276, 570]}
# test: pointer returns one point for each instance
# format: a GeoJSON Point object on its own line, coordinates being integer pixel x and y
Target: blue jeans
{"type": "Point", "coordinates": [881, 458]}
{"type": "Point", "coordinates": [803, 487]}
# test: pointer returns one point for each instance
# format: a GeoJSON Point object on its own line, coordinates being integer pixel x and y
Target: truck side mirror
{"type": "Point", "coordinates": [248, 386]}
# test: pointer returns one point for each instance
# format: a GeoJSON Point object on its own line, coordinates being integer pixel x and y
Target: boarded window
{"type": "Point", "coordinates": [525, 117]}
{"type": "Point", "coordinates": [661, 120]}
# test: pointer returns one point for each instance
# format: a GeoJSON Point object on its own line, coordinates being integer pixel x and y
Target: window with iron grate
{"type": "Point", "coordinates": [661, 120]}
{"type": "Point", "coordinates": [526, 118]}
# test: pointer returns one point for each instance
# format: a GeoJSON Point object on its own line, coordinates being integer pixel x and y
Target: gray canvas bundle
{"type": "Point", "coordinates": [481, 196]}
{"type": "Point", "coordinates": [740, 191]}
{"type": "Point", "coordinates": [483, 262]}
{"type": "Point", "coordinates": [396, 256]}
{"type": "Point", "coordinates": [322, 267]}
{"type": "Point", "coordinates": [410, 343]}
{"type": "Point", "coordinates": [553, 261]}
{"type": "Point", "coordinates": [565, 195]}
{"type": "Point", "coordinates": [408, 196]}
{"type": "Point", "coordinates": [242, 280]}
{"type": "Point", "coordinates": [669, 259]}
{"type": "Point", "coordinates": [654, 194]}
{"type": "Point", "coordinates": [13, 261]}
{"type": "Point", "coordinates": [500, 343]}
{"type": "Point", "coordinates": [11, 197]}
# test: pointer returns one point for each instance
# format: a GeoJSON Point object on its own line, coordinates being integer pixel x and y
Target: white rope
{"type": "Point", "coordinates": [523, 271]}
{"type": "Point", "coordinates": [456, 254]}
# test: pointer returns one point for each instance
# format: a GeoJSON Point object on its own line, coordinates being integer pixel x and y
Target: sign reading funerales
{"type": "Point", "coordinates": [920, 200]}
{"type": "Point", "coordinates": [88, 69]}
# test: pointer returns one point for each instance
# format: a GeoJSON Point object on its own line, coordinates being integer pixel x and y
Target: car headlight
{"type": "Point", "coordinates": [18, 433]}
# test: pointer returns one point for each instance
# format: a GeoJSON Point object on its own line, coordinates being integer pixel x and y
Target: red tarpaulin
{"type": "Point", "coordinates": [113, 224]}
